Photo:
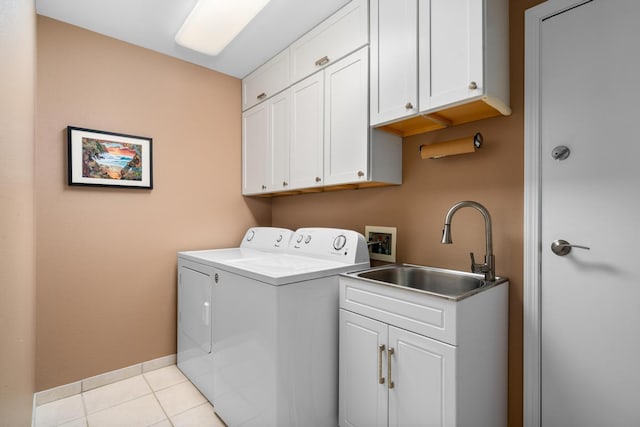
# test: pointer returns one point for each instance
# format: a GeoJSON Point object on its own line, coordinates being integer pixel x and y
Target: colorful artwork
{"type": "Point", "coordinates": [111, 160]}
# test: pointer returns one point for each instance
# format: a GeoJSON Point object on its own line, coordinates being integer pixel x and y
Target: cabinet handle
{"type": "Point", "coordinates": [380, 356]}
{"type": "Point", "coordinates": [318, 179]}
{"type": "Point", "coordinates": [261, 96]}
{"type": "Point", "coordinates": [264, 187]}
{"type": "Point", "coordinates": [285, 183]}
{"type": "Point", "coordinates": [322, 61]}
{"type": "Point", "coordinates": [360, 174]}
{"type": "Point", "coordinates": [390, 353]}
{"type": "Point", "coordinates": [473, 85]}
{"type": "Point", "coordinates": [408, 106]}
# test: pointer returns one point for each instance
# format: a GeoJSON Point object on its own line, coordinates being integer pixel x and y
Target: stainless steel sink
{"type": "Point", "coordinates": [450, 284]}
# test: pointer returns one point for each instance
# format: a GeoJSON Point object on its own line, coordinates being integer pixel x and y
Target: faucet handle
{"type": "Point", "coordinates": [478, 268]}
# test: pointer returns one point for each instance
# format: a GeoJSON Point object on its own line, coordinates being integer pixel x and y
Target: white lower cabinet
{"type": "Point", "coordinates": [411, 359]}
{"type": "Point", "coordinates": [415, 381]}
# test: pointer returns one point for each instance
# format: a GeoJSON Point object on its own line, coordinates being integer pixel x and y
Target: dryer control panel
{"type": "Point", "coordinates": [336, 244]}
{"type": "Point", "coordinates": [272, 239]}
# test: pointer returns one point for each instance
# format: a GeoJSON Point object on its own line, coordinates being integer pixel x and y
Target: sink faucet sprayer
{"type": "Point", "coordinates": [489, 265]}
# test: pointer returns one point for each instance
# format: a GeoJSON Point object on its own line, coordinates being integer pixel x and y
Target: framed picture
{"type": "Point", "coordinates": [382, 242]}
{"type": "Point", "coordinates": [109, 159]}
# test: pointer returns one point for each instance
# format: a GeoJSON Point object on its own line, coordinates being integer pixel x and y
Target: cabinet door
{"type": "Point", "coordinates": [346, 129]}
{"type": "Point", "coordinates": [266, 81]}
{"type": "Point", "coordinates": [451, 52]}
{"type": "Point", "coordinates": [255, 148]}
{"type": "Point", "coordinates": [363, 369]}
{"type": "Point", "coordinates": [423, 372]}
{"type": "Point", "coordinates": [343, 32]}
{"type": "Point", "coordinates": [394, 59]}
{"type": "Point", "coordinates": [307, 132]}
{"type": "Point", "coordinates": [279, 136]}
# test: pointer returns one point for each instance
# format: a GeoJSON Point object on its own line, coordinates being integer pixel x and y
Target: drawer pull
{"type": "Point", "coordinates": [390, 353]}
{"type": "Point", "coordinates": [322, 61]}
{"type": "Point", "coordinates": [380, 356]}
{"type": "Point", "coordinates": [318, 179]}
{"type": "Point", "coordinates": [261, 96]}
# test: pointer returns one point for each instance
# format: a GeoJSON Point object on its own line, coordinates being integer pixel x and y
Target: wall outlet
{"type": "Point", "coordinates": [382, 242]}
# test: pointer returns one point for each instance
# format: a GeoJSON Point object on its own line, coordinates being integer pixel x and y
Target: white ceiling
{"type": "Point", "coordinates": [153, 24]}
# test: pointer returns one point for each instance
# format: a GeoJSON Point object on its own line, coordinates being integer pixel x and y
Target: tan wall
{"type": "Point", "coordinates": [17, 244]}
{"type": "Point", "coordinates": [492, 176]}
{"type": "Point", "coordinates": [106, 258]}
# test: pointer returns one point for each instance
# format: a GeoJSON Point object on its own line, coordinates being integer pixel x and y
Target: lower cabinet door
{"type": "Point", "coordinates": [423, 373]}
{"type": "Point", "coordinates": [363, 371]}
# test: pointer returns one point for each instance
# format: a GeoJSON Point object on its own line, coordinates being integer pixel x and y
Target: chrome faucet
{"type": "Point", "coordinates": [489, 265]}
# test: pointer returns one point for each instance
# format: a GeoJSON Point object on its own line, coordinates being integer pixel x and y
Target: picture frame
{"type": "Point", "coordinates": [381, 242]}
{"type": "Point", "coordinates": [109, 159]}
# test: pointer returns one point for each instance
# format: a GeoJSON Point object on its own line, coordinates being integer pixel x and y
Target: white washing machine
{"type": "Point", "coordinates": [197, 274]}
{"type": "Point", "coordinates": [275, 331]}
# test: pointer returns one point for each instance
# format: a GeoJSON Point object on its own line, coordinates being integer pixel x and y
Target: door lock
{"type": "Point", "coordinates": [561, 152]}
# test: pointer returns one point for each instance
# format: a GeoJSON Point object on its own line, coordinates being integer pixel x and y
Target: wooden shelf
{"type": "Point", "coordinates": [479, 109]}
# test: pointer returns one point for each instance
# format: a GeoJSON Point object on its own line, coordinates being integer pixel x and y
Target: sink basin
{"type": "Point", "coordinates": [450, 284]}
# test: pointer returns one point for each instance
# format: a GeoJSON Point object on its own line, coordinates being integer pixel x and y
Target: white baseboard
{"type": "Point", "coordinates": [77, 387]}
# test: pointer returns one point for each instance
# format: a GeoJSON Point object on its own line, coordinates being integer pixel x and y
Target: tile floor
{"type": "Point", "coordinates": [160, 398]}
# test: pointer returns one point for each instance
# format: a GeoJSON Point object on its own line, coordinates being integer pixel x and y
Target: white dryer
{"type": "Point", "coordinates": [197, 274]}
{"type": "Point", "coordinates": [275, 331]}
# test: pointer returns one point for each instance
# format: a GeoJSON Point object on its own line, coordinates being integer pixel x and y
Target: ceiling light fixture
{"type": "Point", "coordinates": [212, 24]}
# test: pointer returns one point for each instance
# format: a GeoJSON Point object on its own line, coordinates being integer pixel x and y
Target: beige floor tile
{"type": "Point", "coordinates": [179, 398]}
{"type": "Point", "coordinates": [165, 423]}
{"type": "Point", "coordinates": [164, 377]}
{"type": "Point", "coordinates": [200, 416]}
{"type": "Point", "coordinates": [59, 411]}
{"type": "Point", "coordinates": [114, 394]}
{"type": "Point", "coordinates": [140, 412]}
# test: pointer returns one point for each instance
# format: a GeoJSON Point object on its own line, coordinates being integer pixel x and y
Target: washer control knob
{"type": "Point", "coordinates": [250, 235]}
{"type": "Point", "coordinates": [339, 242]}
{"type": "Point", "coordinates": [308, 239]}
{"type": "Point", "coordinates": [300, 237]}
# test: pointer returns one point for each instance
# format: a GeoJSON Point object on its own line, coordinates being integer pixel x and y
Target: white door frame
{"type": "Point", "coordinates": [532, 231]}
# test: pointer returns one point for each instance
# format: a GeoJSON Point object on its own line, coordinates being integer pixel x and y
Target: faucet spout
{"type": "Point", "coordinates": [488, 267]}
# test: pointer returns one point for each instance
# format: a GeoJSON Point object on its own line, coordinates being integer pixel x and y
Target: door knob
{"type": "Point", "coordinates": [562, 247]}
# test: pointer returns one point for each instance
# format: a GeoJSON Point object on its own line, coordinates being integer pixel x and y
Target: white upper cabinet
{"type": "Point", "coordinates": [394, 59]}
{"type": "Point", "coordinates": [451, 52]}
{"type": "Point", "coordinates": [346, 127]}
{"type": "Point", "coordinates": [462, 53]}
{"type": "Point", "coordinates": [307, 114]}
{"type": "Point", "coordinates": [343, 32]}
{"type": "Point", "coordinates": [280, 136]}
{"type": "Point", "coordinates": [265, 146]}
{"type": "Point", "coordinates": [266, 81]}
{"type": "Point", "coordinates": [255, 146]}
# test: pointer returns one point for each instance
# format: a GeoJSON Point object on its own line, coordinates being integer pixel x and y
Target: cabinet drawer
{"type": "Point", "coordinates": [266, 81]}
{"type": "Point", "coordinates": [420, 313]}
{"type": "Point", "coordinates": [341, 33]}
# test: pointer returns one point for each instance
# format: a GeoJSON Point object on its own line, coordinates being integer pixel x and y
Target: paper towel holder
{"type": "Point", "coordinates": [452, 147]}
